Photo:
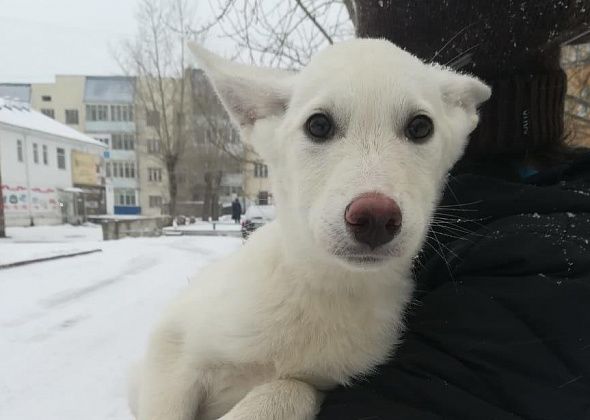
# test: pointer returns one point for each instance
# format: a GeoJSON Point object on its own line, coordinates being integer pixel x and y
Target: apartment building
{"type": "Point", "coordinates": [109, 116]}
{"type": "Point", "coordinates": [152, 173]}
{"type": "Point", "coordinates": [206, 128]}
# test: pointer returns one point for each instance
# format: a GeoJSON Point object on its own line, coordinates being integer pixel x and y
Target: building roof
{"type": "Point", "coordinates": [19, 114]}
{"type": "Point", "coordinates": [111, 89]}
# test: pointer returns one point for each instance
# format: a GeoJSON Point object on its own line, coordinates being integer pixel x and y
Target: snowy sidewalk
{"type": "Point", "coordinates": [70, 328]}
{"type": "Point", "coordinates": [206, 229]}
{"type": "Point", "coordinates": [41, 242]}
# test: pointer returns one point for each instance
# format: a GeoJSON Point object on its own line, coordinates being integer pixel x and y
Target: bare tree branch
{"type": "Point", "coordinates": [283, 34]}
{"type": "Point", "coordinates": [314, 21]}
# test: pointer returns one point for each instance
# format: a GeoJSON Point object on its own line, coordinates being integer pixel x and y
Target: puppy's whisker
{"type": "Point", "coordinates": [457, 230]}
{"type": "Point", "coordinates": [462, 59]}
{"type": "Point", "coordinates": [450, 229]}
{"type": "Point", "coordinates": [454, 37]}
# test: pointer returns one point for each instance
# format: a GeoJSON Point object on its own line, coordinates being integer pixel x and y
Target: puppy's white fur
{"type": "Point", "coordinates": [302, 306]}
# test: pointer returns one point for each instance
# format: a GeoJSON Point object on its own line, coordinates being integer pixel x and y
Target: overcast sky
{"type": "Point", "coordinates": [42, 38]}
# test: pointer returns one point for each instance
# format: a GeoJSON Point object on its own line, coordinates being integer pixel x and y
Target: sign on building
{"type": "Point", "coordinates": [85, 169]}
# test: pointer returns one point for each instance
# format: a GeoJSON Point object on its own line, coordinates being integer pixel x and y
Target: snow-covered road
{"type": "Point", "coordinates": [70, 328]}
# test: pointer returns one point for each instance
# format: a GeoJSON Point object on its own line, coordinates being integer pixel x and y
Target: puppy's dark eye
{"type": "Point", "coordinates": [419, 128]}
{"type": "Point", "coordinates": [320, 127]}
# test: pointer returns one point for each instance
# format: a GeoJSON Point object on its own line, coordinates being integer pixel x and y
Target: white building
{"type": "Point", "coordinates": [41, 162]}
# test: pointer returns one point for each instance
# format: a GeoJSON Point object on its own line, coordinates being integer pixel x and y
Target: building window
{"type": "Point", "coordinates": [46, 98]}
{"type": "Point", "coordinates": [45, 155]}
{"type": "Point", "coordinates": [155, 201]}
{"type": "Point", "coordinates": [72, 116]}
{"type": "Point", "coordinates": [121, 112]}
{"type": "Point", "coordinates": [116, 140]}
{"type": "Point", "coordinates": [154, 174]}
{"type": "Point", "coordinates": [19, 150]}
{"type": "Point", "coordinates": [61, 158]}
{"type": "Point", "coordinates": [129, 169]}
{"type": "Point", "coordinates": [91, 113]}
{"type": "Point", "coordinates": [103, 112]}
{"type": "Point", "coordinates": [153, 146]}
{"type": "Point", "coordinates": [260, 170]}
{"type": "Point", "coordinates": [108, 169]}
{"type": "Point", "coordinates": [48, 112]}
{"type": "Point", "coordinates": [35, 153]}
{"type": "Point", "coordinates": [124, 197]}
{"type": "Point", "coordinates": [97, 112]}
{"type": "Point", "coordinates": [263, 198]}
{"type": "Point", "coordinates": [121, 169]}
{"type": "Point", "coordinates": [115, 113]}
{"type": "Point", "coordinates": [123, 141]}
{"type": "Point", "coordinates": [152, 118]}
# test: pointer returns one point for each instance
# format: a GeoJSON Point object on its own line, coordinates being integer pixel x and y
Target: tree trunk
{"type": "Point", "coordinates": [207, 199]}
{"type": "Point", "coordinates": [171, 162]}
{"type": "Point", "coordinates": [215, 196]}
{"type": "Point", "coordinates": [2, 220]}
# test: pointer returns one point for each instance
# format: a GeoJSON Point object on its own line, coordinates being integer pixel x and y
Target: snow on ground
{"type": "Point", "coordinates": [49, 241]}
{"type": "Point", "coordinates": [69, 329]}
{"type": "Point", "coordinates": [207, 227]}
{"type": "Point", "coordinates": [54, 234]}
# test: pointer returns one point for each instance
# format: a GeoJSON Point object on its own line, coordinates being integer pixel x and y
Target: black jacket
{"type": "Point", "coordinates": [236, 209]}
{"type": "Point", "coordinates": [501, 329]}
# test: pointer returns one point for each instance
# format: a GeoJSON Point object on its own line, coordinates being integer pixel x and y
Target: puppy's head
{"type": "Point", "coordinates": [358, 143]}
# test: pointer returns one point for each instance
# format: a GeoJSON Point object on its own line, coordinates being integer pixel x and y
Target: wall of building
{"type": "Point", "coordinates": [154, 191]}
{"type": "Point", "coordinates": [66, 93]}
{"type": "Point", "coordinates": [257, 182]}
{"type": "Point", "coordinates": [33, 190]}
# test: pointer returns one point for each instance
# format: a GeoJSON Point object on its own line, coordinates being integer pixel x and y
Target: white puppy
{"type": "Point", "coordinates": [358, 144]}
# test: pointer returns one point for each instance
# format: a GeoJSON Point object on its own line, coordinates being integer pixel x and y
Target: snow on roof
{"type": "Point", "coordinates": [19, 114]}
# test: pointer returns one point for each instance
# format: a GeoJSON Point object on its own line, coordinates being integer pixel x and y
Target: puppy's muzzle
{"type": "Point", "coordinates": [373, 219]}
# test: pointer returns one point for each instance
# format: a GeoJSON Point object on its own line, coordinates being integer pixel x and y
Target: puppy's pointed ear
{"type": "Point", "coordinates": [249, 93]}
{"type": "Point", "coordinates": [463, 90]}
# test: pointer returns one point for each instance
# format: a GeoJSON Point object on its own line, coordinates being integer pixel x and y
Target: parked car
{"type": "Point", "coordinates": [255, 217]}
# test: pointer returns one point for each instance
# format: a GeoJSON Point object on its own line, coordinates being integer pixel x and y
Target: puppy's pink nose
{"type": "Point", "coordinates": [374, 219]}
